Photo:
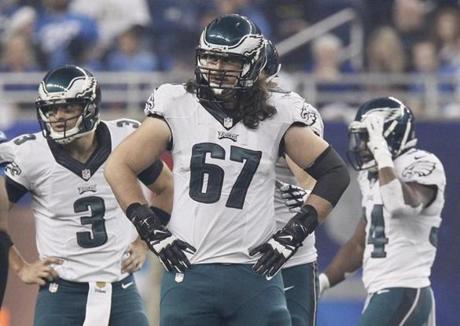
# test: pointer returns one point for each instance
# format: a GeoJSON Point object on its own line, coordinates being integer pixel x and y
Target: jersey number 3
{"type": "Point", "coordinates": [96, 207]}
{"type": "Point", "coordinates": [214, 174]}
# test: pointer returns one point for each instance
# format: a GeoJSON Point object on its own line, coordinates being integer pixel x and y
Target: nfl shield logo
{"type": "Point", "coordinates": [86, 174]}
{"type": "Point", "coordinates": [228, 122]}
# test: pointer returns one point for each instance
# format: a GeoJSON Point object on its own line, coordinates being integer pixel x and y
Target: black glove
{"type": "Point", "coordinates": [284, 243]}
{"type": "Point", "coordinates": [166, 246]}
{"type": "Point", "coordinates": [293, 195]}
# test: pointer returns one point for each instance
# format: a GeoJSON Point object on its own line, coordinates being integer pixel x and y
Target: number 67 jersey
{"type": "Point", "coordinates": [224, 173]}
{"type": "Point", "coordinates": [400, 250]}
{"type": "Point", "coordinates": [77, 217]}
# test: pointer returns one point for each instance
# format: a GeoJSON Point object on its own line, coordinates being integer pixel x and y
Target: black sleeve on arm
{"type": "Point", "coordinates": [14, 190]}
{"type": "Point", "coordinates": [150, 174]}
{"type": "Point", "coordinates": [331, 174]}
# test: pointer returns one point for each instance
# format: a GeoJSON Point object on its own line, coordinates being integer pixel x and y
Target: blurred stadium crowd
{"type": "Point", "coordinates": [416, 37]}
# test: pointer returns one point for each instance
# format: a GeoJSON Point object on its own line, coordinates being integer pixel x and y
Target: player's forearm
{"type": "Point", "coordinates": [123, 181]}
{"type": "Point", "coordinates": [163, 199]}
{"type": "Point", "coordinates": [348, 260]}
{"type": "Point", "coordinates": [398, 198]}
{"type": "Point", "coordinates": [16, 261]}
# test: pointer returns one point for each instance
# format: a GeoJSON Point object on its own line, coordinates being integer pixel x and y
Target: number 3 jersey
{"type": "Point", "coordinates": [224, 173]}
{"type": "Point", "coordinates": [77, 217]}
{"type": "Point", "coordinates": [400, 250]}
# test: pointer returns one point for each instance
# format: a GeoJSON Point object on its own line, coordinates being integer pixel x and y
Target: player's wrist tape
{"type": "Point", "coordinates": [324, 282]}
{"type": "Point", "coordinates": [383, 158]}
{"type": "Point", "coordinates": [308, 219]}
{"type": "Point", "coordinates": [5, 240]}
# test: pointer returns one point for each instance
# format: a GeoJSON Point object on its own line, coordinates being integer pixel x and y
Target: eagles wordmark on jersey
{"type": "Point", "coordinates": [77, 217]}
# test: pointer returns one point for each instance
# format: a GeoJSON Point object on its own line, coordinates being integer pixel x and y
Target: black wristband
{"type": "Point", "coordinates": [5, 240]}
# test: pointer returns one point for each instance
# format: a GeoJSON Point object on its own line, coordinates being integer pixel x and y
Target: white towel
{"type": "Point", "coordinates": [99, 304]}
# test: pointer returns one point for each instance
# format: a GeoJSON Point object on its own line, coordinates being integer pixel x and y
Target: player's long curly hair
{"type": "Point", "coordinates": [249, 105]}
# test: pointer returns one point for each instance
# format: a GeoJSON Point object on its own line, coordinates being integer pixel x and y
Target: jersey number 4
{"type": "Point", "coordinates": [214, 174]}
{"type": "Point", "coordinates": [377, 233]}
{"type": "Point", "coordinates": [96, 207]}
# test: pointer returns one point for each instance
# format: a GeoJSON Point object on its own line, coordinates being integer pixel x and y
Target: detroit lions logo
{"type": "Point", "coordinates": [419, 169]}
{"type": "Point", "coordinates": [308, 115]}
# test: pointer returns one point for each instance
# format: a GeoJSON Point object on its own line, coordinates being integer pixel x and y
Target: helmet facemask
{"type": "Point", "coordinates": [223, 80]}
{"type": "Point", "coordinates": [65, 88]}
{"type": "Point", "coordinates": [86, 121]}
{"type": "Point", "coordinates": [358, 154]}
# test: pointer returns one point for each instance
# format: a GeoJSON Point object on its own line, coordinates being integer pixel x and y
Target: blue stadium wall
{"type": "Point", "coordinates": [441, 138]}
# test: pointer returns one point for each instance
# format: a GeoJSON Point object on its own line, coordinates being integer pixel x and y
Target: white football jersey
{"type": "Point", "coordinates": [224, 173]}
{"type": "Point", "coordinates": [400, 250]}
{"type": "Point", "coordinates": [306, 253]}
{"type": "Point", "coordinates": [77, 217]}
{"type": "Point", "coordinates": [7, 152]}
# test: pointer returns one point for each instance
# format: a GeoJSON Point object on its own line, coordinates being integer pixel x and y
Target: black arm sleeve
{"type": "Point", "coordinates": [149, 175]}
{"type": "Point", "coordinates": [14, 190]}
{"type": "Point", "coordinates": [331, 174]}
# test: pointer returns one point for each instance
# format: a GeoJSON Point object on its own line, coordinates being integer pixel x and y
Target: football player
{"type": "Point", "coordinates": [88, 250]}
{"type": "Point", "coordinates": [402, 197]}
{"type": "Point", "coordinates": [5, 240]}
{"type": "Point", "coordinates": [225, 132]}
{"type": "Point", "coordinates": [300, 272]}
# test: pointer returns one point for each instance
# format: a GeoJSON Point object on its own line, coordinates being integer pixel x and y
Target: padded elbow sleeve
{"type": "Point", "coordinates": [331, 174]}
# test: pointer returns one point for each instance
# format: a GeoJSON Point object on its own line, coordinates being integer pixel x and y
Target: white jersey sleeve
{"type": "Point", "coordinates": [159, 102]}
{"type": "Point", "coordinates": [295, 110]}
{"type": "Point", "coordinates": [7, 152]}
{"type": "Point", "coordinates": [426, 169]}
{"type": "Point", "coordinates": [22, 168]}
{"type": "Point", "coordinates": [421, 167]}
